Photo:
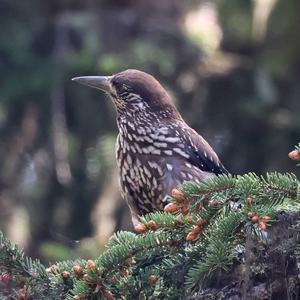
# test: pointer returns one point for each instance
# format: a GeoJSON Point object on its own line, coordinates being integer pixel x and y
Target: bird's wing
{"type": "Point", "coordinates": [195, 150]}
{"type": "Point", "coordinates": [201, 153]}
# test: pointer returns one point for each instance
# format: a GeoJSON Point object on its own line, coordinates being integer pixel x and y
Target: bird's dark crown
{"type": "Point", "coordinates": [134, 91]}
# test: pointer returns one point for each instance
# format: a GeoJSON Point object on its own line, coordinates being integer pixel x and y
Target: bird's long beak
{"type": "Point", "coordinates": [97, 82]}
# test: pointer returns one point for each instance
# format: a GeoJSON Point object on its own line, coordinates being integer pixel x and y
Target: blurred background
{"type": "Point", "coordinates": [231, 66]}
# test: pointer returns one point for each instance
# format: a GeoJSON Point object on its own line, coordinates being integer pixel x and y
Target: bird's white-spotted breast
{"type": "Point", "coordinates": [151, 163]}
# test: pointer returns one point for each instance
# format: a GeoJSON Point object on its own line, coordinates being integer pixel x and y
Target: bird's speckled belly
{"type": "Point", "coordinates": [147, 179]}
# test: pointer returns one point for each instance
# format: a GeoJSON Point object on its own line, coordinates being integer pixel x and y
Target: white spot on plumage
{"type": "Point", "coordinates": [141, 130]}
{"type": "Point", "coordinates": [148, 139]}
{"type": "Point", "coordinates": [129, 160]}
{"type": "Point", "coordinates": [168, 152]}
{"type": "Point", "coordinates": [147, 172]}
{"type": "Point", "coordinates": [143, 177]}
{"type": "Point", "coordinates": [131, 125]}
{"type": "Point", "coordinates": [151, 150]}
{"type": "Point", "coordinates": [154, 136]}
{"type": "Point", "coordinates": [169, 167]}
{"type": "Point", "coordinates": [188, 165]}
{"type": "Point", "coordinates": [163, 130]}
{"type": "Point", "coordinates": [138, 149]}
{"type": "Point", "coordinates": [126, 167]}
{"type": "Point", "coordinates": [132, 149]}
{"type": "Point", "coordinates": [190, 176]}
{"type": "Point", "coordinates": [154, 165]}
{"type": "Point", "coordinates": [132, 174]}
{"type": "Point", "coordinates": [154, 182]}
{"type": "Point", "coordinates": [172, 139]}
{"type": "Point", "coordinates": [159, 144]}
{"type": "Point", "coordinates": [180, 152]}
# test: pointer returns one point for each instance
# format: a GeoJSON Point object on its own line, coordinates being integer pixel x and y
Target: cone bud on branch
{"type": "Point", "coordinates": [178, 196]}
{"type": "Point", "coordinates": [294, 155]}
{"type": "Point", "coordinates": [152, 225]}
{"type": "Point", "coordinates": [201, 222]}
{"type": "Point", "coordinates": [249, 200]}
{"type": "Point", "coordinates": [152, 279]}
{"type": "Point", "coordinates": [124, 271]}
{"type": "Point", "coordinates": [108, 295]}
{"type": "Point", "coordinates": [171, 208]}
{"type": "Point", "coordinates": [140, 228]}
{"type": "Point", "coordinates": [191, 237]}
{"type": "Point", "coordinates": [5, 278]}
{"type": "Point", "coordinates": [78, 271]}
{"type": "Point", "coordinates": [65, 275]}
{"type": "Point", "coordinates": [90, 264]}
{"type": "Point", "coordinates": [261, 225]}
{"type": "Point", "coordinates": [184, 210]}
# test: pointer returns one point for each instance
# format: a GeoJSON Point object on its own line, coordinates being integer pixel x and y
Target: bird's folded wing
{"type": "Point", "coordinates": [199, 153]}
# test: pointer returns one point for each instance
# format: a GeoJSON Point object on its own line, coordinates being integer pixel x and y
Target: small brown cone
{"type": "Point", "coordinates": [261, 225]}
{"type": "Point", "coordinates": [185, 210]}
{"type": "Point", "coordinates": [201, 222]}
{"type": "Point", "coordinates": [196, 230]}
{"type": "Point", "coordinates": [65, 274]}
{"type": "Point", "coordinates": [76, 297]}
{"type": "Point", "coordinates": [5, 278]}
{"type": "Point", "coordinates": [171, 207]}
{"type": "Point", "coordinates": [152, 225]}
{"type": "Point", "coordinates": [78, 270]}
{"type": "Point", "coordinates": [108, 295]}
{"type": "Point", "coordinates": [124, 271]}
{"type": "Point", "coordinates": [212, 203]}
{"type": "Point", "coordinates": [191, 237]}
{"type": "Point", "coordinates": [294, 155]}
{"type": "Point", "coordinates": [265, 218]}
{"type": "Point", "coordinates": [249, 200]}
{"type": "Point", "coordinates": [178, 195]}
{"type": "Point", "coordinates": [152, 279]}
{"type": "Point", "coordinates": [255, 219]}
{"type": "Point", "coordinates": [140, 228]}
{"type": "Point", "coordinates": [90, 264]}
{"type": "Point", "coordinates": [21, 295]}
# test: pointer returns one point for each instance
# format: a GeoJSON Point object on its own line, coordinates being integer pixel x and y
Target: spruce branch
{"type": "Point", "coordinates": [14, 257]}
{"type": "Point", "coordinates": [176, 251]}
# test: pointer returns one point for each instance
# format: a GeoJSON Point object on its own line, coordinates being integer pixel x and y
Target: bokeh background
{"type": "Point", "coordinates": [232, 67]}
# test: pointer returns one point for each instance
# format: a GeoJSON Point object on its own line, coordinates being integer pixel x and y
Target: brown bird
{"type": "Point", "coordinates": [156, 150]}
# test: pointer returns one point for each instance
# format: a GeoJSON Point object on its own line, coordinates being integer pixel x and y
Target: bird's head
{"type": "Point", "coordinates": [132, 92]}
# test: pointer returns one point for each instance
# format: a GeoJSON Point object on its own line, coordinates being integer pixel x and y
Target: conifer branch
{"type": "Point", "coordinates": [176, 251]}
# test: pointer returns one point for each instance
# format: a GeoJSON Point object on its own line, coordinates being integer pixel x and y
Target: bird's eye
{"type": "Point", "coordinates": [123, 90]}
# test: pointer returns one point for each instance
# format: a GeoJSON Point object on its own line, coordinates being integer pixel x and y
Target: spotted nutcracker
{"type": "Point", "coordinates": [156, 150]}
